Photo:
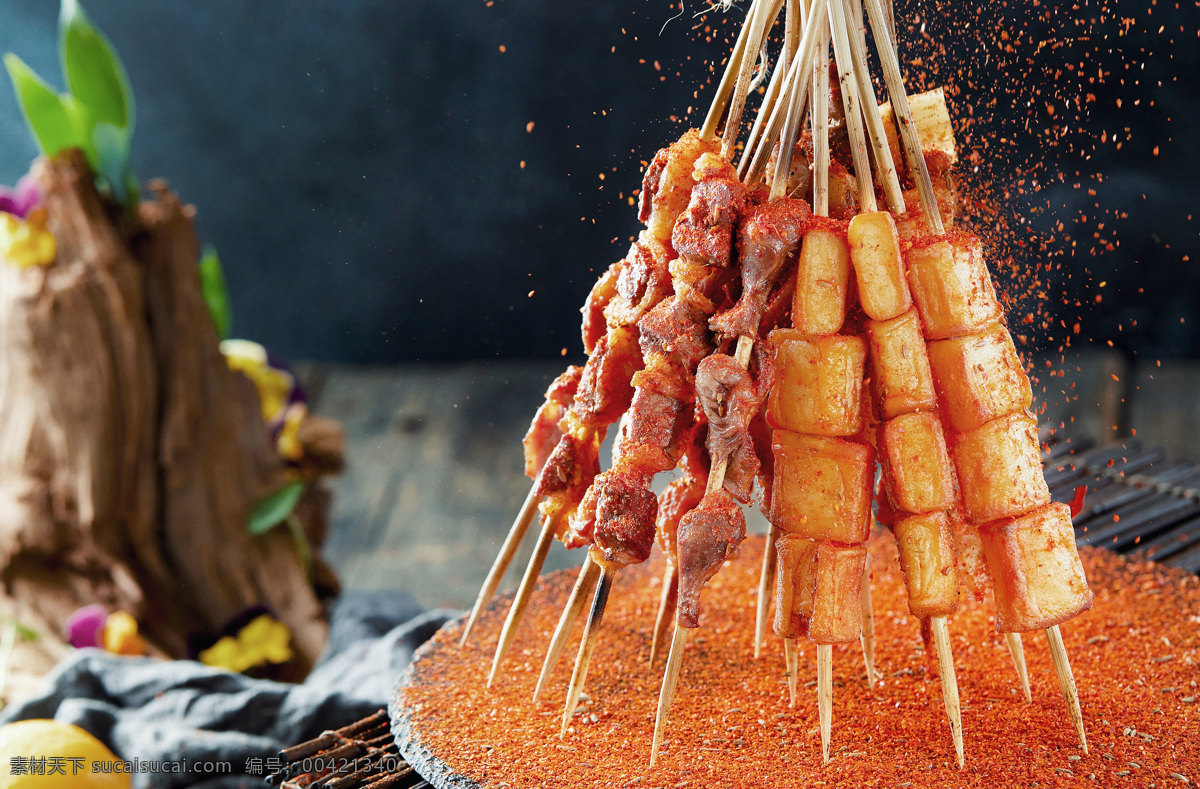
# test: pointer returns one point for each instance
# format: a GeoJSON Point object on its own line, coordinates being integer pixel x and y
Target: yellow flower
{"type": "Point", "coordinates": [273, 385]}
{"type": "Point", "coordinates": [26, 243]}
{"type": "Point", "coordinates": [288, 444]}
{"type": "Point", "coordinates": [121, 635]}
{"type": "Point", "coordinates": [267, 639]}
{"type": "Point", "coordinates": [226, 653]}
{"type": "Point", "coordinates": [264, 640]}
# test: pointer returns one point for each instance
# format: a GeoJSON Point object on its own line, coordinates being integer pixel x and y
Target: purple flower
{"type": "Point", "coordinates": [20, 199]}
{"type": "Point", "coordinates": [85, 627]}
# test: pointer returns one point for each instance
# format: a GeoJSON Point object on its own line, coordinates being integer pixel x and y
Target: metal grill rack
{"type": "Point", "coordinates": [1137, 501]}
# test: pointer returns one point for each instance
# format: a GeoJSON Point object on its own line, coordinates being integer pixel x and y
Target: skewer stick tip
{"type": "Point", "coordinates": [566, 623]}
{"type": "Point", "coordinates": [945, 658]}
{"type": "Point", "coordinates": [516, 533]}
{"type": "Point", "coordinates": [666, 610]}
{"type": "Point", "coordinates": [667, 694]}
{"type": "Point", "coordinates": [1017, 650]}
{"type": "Point", "coordinates": [868, 620]}
{"type": "Point", "coordinates": [586, 646]}
{"type": "Point", "coordinates": [793, 668]}
{"type": "Point", "coordinates": [765, 581]}
{"type": "Point", "coordinates": [825, 696]}
{"type": "Point", "coordinates": [1066, 681]}
{"type": "Point", "coordinates": [524, 592]}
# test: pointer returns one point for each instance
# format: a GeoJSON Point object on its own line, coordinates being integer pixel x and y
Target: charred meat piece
{"type": "Point", "coordinates": [544, 434]}
{"type": "Point", "coordinates": [606, 388]}
{"type": "Point", "coordinates": [708, 535]}
{"type": "Point", "coordinates": [682, 495]}
{"type": "Point", "coordinates": [626, 512]}
{"type": "Point", "coordinates": [643, 281]}
{"type": "Point", "coordinates": [648, 439]}
{"type": "Point", "coordinates": [703, 234]}
{"type": "Point", "coordinates": [767, 239]}
{"type": "Point", "coordinates": [602, 293]}
{"type": "Point", "coordinates": [676, 330]}
{"type": "Point", "coordinates": [730, 400]}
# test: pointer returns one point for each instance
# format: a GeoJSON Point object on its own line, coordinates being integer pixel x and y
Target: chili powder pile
{"type": "Point", "coordinates": [1134, 655]}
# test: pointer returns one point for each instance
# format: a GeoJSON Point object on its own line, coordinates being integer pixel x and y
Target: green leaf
{"type": "Point", "coordinates": [111, 146]}
{"type": "Point", "coordinates": [212, 290]}
{"type": "Point", "coordinates": [94, 72]}
{"type": "Point", "coordinates": [55, 119]}
{"type": "Point", "coordinates": [275, 509]}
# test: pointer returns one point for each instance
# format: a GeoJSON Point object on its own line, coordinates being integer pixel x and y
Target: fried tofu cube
{"type": "Point", "coordinates": [927, 559]}
{"type": "Point", "coordinates": [822, 487]}
{"type": "Point", "coordinates": [1039, 580]}
{"type": "Point", "coordinates": [952, 287]}
{"type": "Point", "coordinates": [979, 377]}
{"type": "Point", "coordinates": [1000, 469]}
{"type": "Point", "coordinates": [817, 589]}
{"type": "Point", "coordinates": [794, 556]}
{"type": "Point", "coordinates": [916, 466]}
{"type": "Point", "coordinates": [822, 279]}
{"type": "Point", "coordinates": [900, 366]}
{"type": "Point", "coordinates": [819, 385]}
{"type": "Point", "coordinates": [878, 267]}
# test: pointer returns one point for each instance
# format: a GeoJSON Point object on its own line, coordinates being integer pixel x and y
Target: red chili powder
{"type": "Point", "coordinates": [1134, 656]}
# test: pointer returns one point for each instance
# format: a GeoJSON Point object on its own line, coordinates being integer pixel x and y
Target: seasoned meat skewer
{"type": "Point", "coordinates": [605, 389]}
{"type": "Point", "coordinates": [540, 440]}
{"type": "Point", "coordinates": [766, 247]}
{"type": "Point", "coordinates": [621, 519]}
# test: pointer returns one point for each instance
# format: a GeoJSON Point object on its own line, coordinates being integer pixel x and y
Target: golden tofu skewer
{"type": "Point", "coordinates": [849, 67]}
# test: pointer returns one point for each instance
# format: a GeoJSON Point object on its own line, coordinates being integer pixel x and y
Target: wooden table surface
{"type": "Point", "coordinates": [434, 465]}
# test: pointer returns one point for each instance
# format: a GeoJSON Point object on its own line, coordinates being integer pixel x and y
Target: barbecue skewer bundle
{"type": "Point", "coordinates": [783, 330]}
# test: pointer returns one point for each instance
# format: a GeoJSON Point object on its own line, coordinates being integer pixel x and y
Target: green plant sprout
{"type": "Point", "coordinates": [96, 114]}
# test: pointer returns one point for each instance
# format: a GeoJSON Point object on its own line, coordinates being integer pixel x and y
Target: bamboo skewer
{"type": "Point", "coordinates": [584, 585]}
{"type": "Point", "coordinates": [667, 694]}
{"type": "Point", "coordinates": [868, 619]}
{"type": "Point", "coordinates": [752, 165]}
{"type": "Point", "coordinates": [794, 24]}
{"type": "Point", "coordinates": [745, 345]}
{"type": "Point", "coordinates": [524, 591]}
{"type": "Point", "coordinates": [825, 696]}
{"type": "Point", "coordinates": [885, 167]}
{"type": "Point", "coordinates": [758, 29]}
{"type": "Point", "coordinates": [848, 65]}
{"type": "Point", "coordinates": [666, 609]}
{"type": "Point", "coordinates": [792, 656]}
{"type": "Point", "coordinates": [732, 68]}
{"type": "Point", "coordinates": [945, 659]}
{"type": "Point", "coordinates": [1017, 650]}
{"type": "Point", "coordinates": [586, 646]}
{"type": "Point", "coordinates": [904, 120]}
{"type": "Point", "coordinates": [1066, 681]}
{"type": "Point", "coordinates": [716, 478]}
{"type": "Point", "coordinates": [765, 579]}
{"type": "Point", "coordinates": [500, 566]}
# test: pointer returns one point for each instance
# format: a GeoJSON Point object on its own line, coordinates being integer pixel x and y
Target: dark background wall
{"type": "Point", "coordinates": [358, 164]}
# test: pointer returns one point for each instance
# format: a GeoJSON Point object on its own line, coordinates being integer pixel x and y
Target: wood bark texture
{"type": "Point", "coordinates": [130, 454]}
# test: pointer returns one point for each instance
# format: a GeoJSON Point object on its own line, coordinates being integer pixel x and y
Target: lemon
{"type": "Point", "coordinates": [46, 754]}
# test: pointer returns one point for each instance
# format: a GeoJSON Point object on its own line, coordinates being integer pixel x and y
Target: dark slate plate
{"type": "Point", "coordinates": [408, 740]}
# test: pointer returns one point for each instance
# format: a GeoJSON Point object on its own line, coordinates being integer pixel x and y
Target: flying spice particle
{"type": "Point", "coordinates": [529, 127]}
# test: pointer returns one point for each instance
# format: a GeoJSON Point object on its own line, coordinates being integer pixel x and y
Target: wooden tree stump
{"type": "Point", "coordinates": [130, 454]}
